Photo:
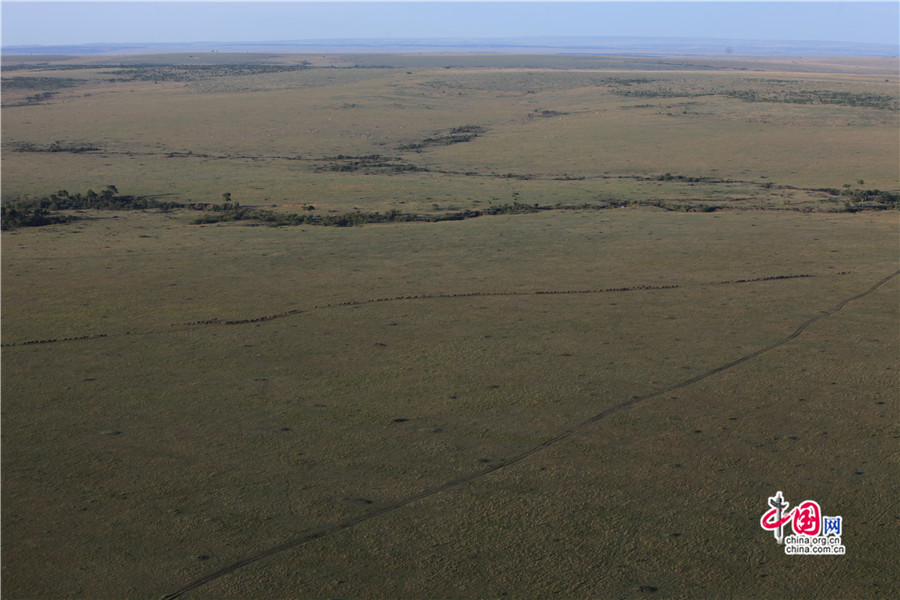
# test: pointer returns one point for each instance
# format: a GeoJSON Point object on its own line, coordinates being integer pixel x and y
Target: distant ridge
{"type": "Point", "coordinates": [631, 46]}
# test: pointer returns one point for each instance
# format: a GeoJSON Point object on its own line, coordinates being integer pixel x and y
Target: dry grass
{"type": "Point", "coordinates": [405, 356]}
{"type": "Point", "coordinates": [237, 438]}
{"type": "Point", "coordinates": [245, 133]}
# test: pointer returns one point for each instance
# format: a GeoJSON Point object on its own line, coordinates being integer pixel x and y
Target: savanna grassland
{"type": "Point", "coordinates": [446, 326]}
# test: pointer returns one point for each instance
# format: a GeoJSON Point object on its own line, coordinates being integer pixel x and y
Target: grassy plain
{"type": "Point", "coordinates": [242, 387]}
{"type": "Point", "coordinates": [552, 135]}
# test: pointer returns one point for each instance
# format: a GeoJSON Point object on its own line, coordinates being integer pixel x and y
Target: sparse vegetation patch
{"type": "Point", "coordinates": [194, 72]}
{"type": "Point", "coordinates": [880, 101]}
{"type": "Point", "coordinates": [374, 163]}
{"type": "Point", "coordinates": [38, 83]}
{"type": "Point", "coordinates": [456, 135]}
{"type": "Point", "coordinates": [34, 212]}
{"type": "Point", "coordinates": [57, 146]}
{"type": "Point", "coordinates": [545, 114]}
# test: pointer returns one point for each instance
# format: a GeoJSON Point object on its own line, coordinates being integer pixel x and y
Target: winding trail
{"type": "Point", "coordinates": [334, 528]}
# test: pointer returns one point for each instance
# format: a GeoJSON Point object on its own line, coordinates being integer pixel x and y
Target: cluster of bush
{"type": "Point", "coordinates": [670, 177]}
{"type": "Point", "coordinates": [13, 217]}
{"type": "Point", "coordinates": [33, 99]}
{"type": "Point", "coordinates": [57, 146]}
{"type": "Point", "coordinates": [34, 212]}
{"type": "Point", "coordinates": [44, 211]}
{"type": "Point", "coordinates": [193, 72]}
{"type": "Point", "coordinates": [37, 83]}
{"type": "Point", "coordinates": [544, 114]}
{"type": "Point", "coordinates": [368, 163]}
{"type": "Point", "coordinates": [880, 101]}
{"type": "Point", "coordinates": [658, 93]}
{"type": "Point", "coordinates": [236, 212]}
{"type": "Point", "coordinates": [456, 135]}
{"type": "Point", "coordinates": [856, 200]}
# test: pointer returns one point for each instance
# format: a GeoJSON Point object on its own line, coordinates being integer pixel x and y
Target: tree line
{"type": "Point", "coordinates": [34, 212]}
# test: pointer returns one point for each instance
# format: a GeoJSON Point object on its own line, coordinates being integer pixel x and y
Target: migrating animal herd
{"type": "Point", "coordinates": [296, 311]}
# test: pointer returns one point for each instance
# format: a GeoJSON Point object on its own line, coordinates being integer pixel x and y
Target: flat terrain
{"type": "Point", "coordinates": [690, 305]}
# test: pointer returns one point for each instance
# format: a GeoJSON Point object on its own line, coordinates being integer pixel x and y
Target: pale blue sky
{"type": "Point", "coordinates": [54, 23]}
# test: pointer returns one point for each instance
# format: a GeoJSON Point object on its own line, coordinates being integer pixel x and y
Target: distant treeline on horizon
{"type": "Point", "coordinates": [549, 45]}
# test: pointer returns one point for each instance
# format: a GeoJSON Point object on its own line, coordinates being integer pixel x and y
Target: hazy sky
{"type": "Point", "coordinates": [52, 23]}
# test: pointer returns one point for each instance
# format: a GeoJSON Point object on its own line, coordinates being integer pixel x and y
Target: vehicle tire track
{"type": "Point", "coordinates": [296, 311]}
{"type": "Point", "coordinates": [331, 529]}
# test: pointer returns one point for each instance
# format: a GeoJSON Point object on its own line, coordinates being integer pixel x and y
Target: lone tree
{"type": "Point", "coordinates": [227, 196]}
